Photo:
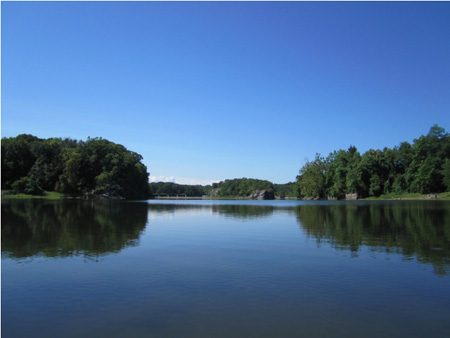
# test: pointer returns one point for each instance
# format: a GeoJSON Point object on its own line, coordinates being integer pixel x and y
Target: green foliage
{"type": "Point", "coordinates": [28, 186]}
{"type": "Point", "coordinates": [418, 168]}
{"type": "Point", "coordinates": [286, 190]}
{"type": "Point", "coordinates": [311, 180]}
{"type": "Point", "coordinates": [424, 175]}
{"type": "Point", "coordinates": [342, 173]}
{"type": "Point", "coordinates": [97, 166]}
{"type": "Point", "coordinates": [18, 157]}
{"type": "Point", "coordinates": [243, 187]}
{"type": "Point", "coordinates": [173, 189]}
{"type": "Point", "coordinates": [445, 172]}
{"type": "Point", "coordinates": [69, 180]}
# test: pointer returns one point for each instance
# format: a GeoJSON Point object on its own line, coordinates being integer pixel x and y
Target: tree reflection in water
{"type": "Point", "coordinates": [418, 229]}
{"type": "Point", "coordinates": [413, 228]}
{"type": "Point", "coordinates": [65, 228]}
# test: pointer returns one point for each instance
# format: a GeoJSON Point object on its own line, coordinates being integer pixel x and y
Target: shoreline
{"type": "Point", "coordinates": [445, 196]}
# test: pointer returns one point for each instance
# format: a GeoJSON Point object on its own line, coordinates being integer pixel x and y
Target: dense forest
{"type": "Point", "coordinates": [79, 168]}
{"type": "Point", "coordinates": [98, 166]}
{"type": "Point", "coordinates": [422, 167]}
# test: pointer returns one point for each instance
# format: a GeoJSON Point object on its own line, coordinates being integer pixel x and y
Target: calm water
{"type": "Point", "coordinates": [225, 269]}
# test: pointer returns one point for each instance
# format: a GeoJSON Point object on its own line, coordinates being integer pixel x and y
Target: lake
{"type": "Point", "coordinates": [73, 268]}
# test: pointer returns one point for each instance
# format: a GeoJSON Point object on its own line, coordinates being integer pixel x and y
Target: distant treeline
{"type": "Point", "coordinates": [96, 166]}
{"type": "Point", "coordinates": [174, 189]}
{"type": "Point", "coordinates": [238, 187]}
{"type": "Point", "coordinates": [241, 187]}
{"type": "Point", "coordinates": [423, 167]}
{"type": "Point", "coordinates": [245, 187]}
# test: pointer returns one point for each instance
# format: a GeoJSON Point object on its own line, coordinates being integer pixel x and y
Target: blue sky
{"type": "Point", "coordinates": [206, 91]}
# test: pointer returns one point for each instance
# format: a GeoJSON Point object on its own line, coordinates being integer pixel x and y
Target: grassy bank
{"type": "Point", "coordinates": [7, 194]}
{"type": "Point", "coordinates": [406, 196]}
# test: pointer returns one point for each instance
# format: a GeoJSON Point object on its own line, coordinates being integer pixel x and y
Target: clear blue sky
{"type": "Point", "coordinates": [217, 90]}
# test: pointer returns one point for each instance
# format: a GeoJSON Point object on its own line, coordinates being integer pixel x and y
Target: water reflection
{"type": "Point", "coordinates": [235, 211]}
{"type": "Point", "coordinates": [416, 229]}
{"type": "Point", "coordinates": [66, 228]}
{"type": "Point", "coordinates": [420, 229]}
{"type": "Point", "coordinates": [94, 228]}
{"type": "Point", "coordinates": [244, 212]}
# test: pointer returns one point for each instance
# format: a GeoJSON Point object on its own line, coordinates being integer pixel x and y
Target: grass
{"type": "Point", "coordinates": [46, 195]}
{"type": "Point", "coordinates": [410, 196]}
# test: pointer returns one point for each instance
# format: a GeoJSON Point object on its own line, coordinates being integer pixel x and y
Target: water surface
{"type": "Point", "coordinates": [225, 269]}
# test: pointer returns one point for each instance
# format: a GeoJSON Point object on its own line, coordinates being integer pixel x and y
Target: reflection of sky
{"type": "Point", "coordinates": [172, 213]}
{"type": "Point", "coordinates": [154, 215]}
{"type": "Point", "coordinates": [197, 268]}
{"type": "Point", "coordinates": [274, 203]}
{"type": "Point", "coordinates": [201, 226]}
{"type": "Point", "coordinates": [190, 214]}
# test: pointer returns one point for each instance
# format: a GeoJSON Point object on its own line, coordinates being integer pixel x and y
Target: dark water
{"type": "Point", "coordinates": [225, 269]}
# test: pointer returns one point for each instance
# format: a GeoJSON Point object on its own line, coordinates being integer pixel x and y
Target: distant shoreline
{"type": "Point", "coordinates": [8, 194]}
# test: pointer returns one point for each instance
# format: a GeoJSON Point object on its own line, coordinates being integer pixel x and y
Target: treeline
{"type": "Point", "coordinates": [174, 189]}
{"type": "Point", "coordinates": [96, 166]}
{"type": "Point", "coordinates": [238, 187]}
{"type": "Point", "coordinates": [286, 190]}
{"type": "Point", "coordinates": [242, 187]}
{"type": "Point", "coordinates": [422, 167]}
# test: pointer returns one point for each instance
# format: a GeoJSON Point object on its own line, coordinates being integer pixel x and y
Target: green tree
{"type": "Point", "coordinates": [311, 180]}
{"type": "Point", "coordinates": [424, 174]}
{"type": "Point", "coordinates": [244, 187]}
{"type": "Point", "coordinates": [446, 173]}
{"type": "Point", "coordinates": [96, 166]}
{"type": "Point", "coordinates": [70, 180]}
{"type": "Point", "coordinates": [18, 157]}
{"type": "Point", "coordinates": [285, 190]}
{"type": "Point", "coordinates": [49, 164]}
{"type": "Point", "coordinates": [342, 172]}
{"type": "Point", "coordinates": [337, 174]}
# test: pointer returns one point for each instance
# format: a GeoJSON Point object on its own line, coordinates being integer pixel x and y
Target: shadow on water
{"type": "Point", "coordinates": [67, 228]}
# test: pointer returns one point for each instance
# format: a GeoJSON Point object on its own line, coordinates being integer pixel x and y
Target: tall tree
{"type": "Point", "coordinates": [311, 180]}
{"type": "Point", "coordinates": [424, 174]}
